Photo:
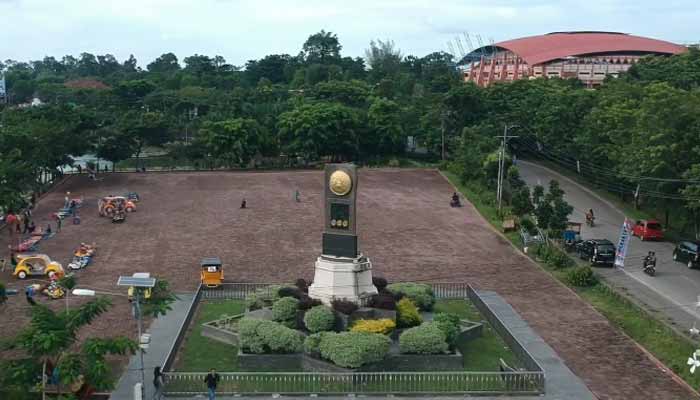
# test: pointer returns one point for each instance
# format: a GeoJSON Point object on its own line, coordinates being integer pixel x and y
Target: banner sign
{"type": "Point", "coordinates": [622, 244]}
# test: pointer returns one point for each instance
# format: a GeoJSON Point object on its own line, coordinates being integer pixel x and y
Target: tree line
{"type": "Point", "coordinates": [636, 134]}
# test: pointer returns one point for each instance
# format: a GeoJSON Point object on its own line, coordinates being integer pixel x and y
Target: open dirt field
{"type": "Point", "coordinates": [406, 227]}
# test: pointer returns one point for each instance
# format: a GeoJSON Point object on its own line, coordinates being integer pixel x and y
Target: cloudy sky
{"type": "Point", "coordinates": [241, 30]}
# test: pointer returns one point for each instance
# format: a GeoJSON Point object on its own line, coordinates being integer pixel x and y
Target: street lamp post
{"type": "Point", "coordinates": [139, 281]}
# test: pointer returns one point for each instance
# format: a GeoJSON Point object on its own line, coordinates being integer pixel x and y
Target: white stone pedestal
{"type": "Point", "coordinates": [342, 278]}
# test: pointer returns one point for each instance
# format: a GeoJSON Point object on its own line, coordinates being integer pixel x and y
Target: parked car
{"type": "Point", "coordinates": [648, 229]}
{"type": "Point", "coordinates": [597, 251]}
{"type": "Point", "coordinates": [687, 252]}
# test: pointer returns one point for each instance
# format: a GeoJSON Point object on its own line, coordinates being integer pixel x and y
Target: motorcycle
{"type": "Point", "coordinates": [649, 267]}
{"type": "Point", "coordinates": [590, 220]}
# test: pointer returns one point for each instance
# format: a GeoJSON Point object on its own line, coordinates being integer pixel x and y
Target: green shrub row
{"type": "Point", "coordinates": [319, 319]}
{"type": "Point", "coordinates": [553, 256]}
{"type": "Point", "coordinates": [353, 349]}
{"type": "Point", "coordinates": [420, 293]}
{"type": "Point", "coordinates": [407, 314]}
{"type": "Point", "coordinates": [260, 336]}
{"type": "Point", "coordinates": [284, 311]}
{"type": "Point", "coordinates": [582, 276]}
{"type": "Point", "coordinates": [424, 339]}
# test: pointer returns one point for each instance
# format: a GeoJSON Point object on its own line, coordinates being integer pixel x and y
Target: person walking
{"type": "Point", "coordinates": [59, 221]}
{"type": "Point", "coordinates": [297, 196]}
{"type": "Point", "coordinates": [157, 384]}
{"type": "Point", "coordinates": [212, 380]}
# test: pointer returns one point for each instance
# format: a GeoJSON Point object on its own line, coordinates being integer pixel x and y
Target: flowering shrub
{"type": "Point", "coordinates": [383, 326]}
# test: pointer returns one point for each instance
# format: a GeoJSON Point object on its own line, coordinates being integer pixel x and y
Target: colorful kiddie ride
{"type": "Point", "coordinates": [212, 273]}
{"type": "Point", "coordinates": [37, 265]}
{"type": "Point", "coordinates": [82, 256]}
{"type": "Point", "coordinates": [109, 205]}
{"type": "Point", "coordinates": [146, 293]}
{"type": "Point", "coordinates": [29, 244]}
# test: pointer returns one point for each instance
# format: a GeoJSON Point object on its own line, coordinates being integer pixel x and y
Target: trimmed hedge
{"type": "Point", "coordinates": [289, 291]}
{"type": "Point", "coordinates": [307, 303]}
{"type": "Point", "coordinates": [421, 294]}
{"type": "Point", "coordinates": [259, 336]}
{"type": "Point", "coordinates": [380, 283]}
{"type": "Point", "coordinates": [425, 339]}
{"type": "Point", "coordinates": [581, 277]}
{"type": "Point", "coordinates": [384, 326]}
{"type": "Point", "coordinates": [449, 324]}
{"type": "Point", "coordinates": [263, 297]}
{"type": "Point", "coordinates": [344, 306]}
{"type": "Point", "coordinates": [407, 314]}
{"type": "Point", "coordinates": [312, 343]}
{"type": "Point", "coordinates": [319, 319]}
{"type": "Point", "coordinates": [354, 349]}
{"type": "Point", "coordinates": [285, 311]}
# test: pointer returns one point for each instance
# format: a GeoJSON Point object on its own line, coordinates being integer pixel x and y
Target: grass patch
{"type": "Point", "coordinates": [199, 353]}
{"type": "Point", "coordinates": [664, 343]}
{"type": "Point", "coordinates": [480, 354]}
{"type": "Point", "coordinates": [654, 335]}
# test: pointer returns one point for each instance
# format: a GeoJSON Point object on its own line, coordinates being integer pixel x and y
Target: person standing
{"type": "Point", "coordinates": [59, 221]}
{"type": "Point", "coordinates": [157, 384]}
{"type": "Point", "coordinates": [297, 196]}
{"type": "Point", "coordinates": [212, 380]}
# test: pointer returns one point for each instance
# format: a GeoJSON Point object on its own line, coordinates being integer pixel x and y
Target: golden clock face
{"type": "Point", "coordinates": [340, 183]}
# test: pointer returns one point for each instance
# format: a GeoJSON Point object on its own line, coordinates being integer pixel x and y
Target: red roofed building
{"type": "Point", "coordinates": [588, 56]}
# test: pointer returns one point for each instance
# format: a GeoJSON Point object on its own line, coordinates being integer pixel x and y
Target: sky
{"type": "Point", "coordinates": [240, 30]}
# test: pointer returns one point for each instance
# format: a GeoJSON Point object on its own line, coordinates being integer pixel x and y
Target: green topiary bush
{"type": "Point", "coordinates": [354, 349]}
{"type": "Point", "coordinates": [581, 277]}
{"type": "Point", "coordinates": [260, 336]}
{"type": "Point", "coordinates": [421, 294]}
{"type": "Point", "coordinates": [407, 314]}
{"type": "Point", "coordinates": [319, 319]}
{"type": "Point", "coordinates": [449, 324]}
{"type": "Point", "coordinates": [425, 339]}
{"type": "Point", "coordinates": [285, 311]}
{"type": "Point", "coordinates": [263, 297]}
{"type": "Point", "coordinates": [312, 343]}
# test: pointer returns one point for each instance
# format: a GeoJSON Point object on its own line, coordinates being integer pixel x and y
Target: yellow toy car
{"type": "Point", "coordinates": [37, 265]}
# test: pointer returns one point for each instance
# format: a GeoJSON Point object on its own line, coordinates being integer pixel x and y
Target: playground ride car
{"type": "Point", "coordinates": [37, 265]}
{"type": "Point", "coordinates": [648, 230]}
{"type": "Point", "coordinates": [146, 293]}
{"type": "Point", "coordinates": [108, 206]}
{"type": "Point", "coordinates": [597, 251]}
{"type": "Point", "coordinates": [688, 252]}
{"type": "Point", "coordinates": [212, 273]}
{"type": "Point", "coordinates": [133, 196]}
{"type": "Point", "coordinates": [82, 256]}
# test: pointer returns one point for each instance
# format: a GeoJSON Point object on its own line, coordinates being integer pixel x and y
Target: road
{"type": "Point", "coordinates": [674, 282]}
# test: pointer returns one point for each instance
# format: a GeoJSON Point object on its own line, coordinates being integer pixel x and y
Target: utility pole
{"type": "Point", "coordinates": [502, 162]}
{"type": "Point", "coordinates": [137, 311]}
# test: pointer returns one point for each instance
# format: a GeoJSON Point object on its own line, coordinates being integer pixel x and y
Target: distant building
{"type": "Point", "coordinates": [588, 56]}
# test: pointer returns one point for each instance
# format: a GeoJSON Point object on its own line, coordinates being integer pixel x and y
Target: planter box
{"type": "Point", "coordinates": [215, 331]}
{"type": "Point", "coordinates": [393, 363]}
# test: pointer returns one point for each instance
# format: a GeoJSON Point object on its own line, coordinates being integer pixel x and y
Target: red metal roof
{"type": "Point", "coordinates": [540, 49]}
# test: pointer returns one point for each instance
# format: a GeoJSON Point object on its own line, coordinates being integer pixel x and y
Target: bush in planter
{"type": "Point", "coordinates": [380, 283]}
{"type": "Point", "coordinates": [354, 349]}
{"type": "Point", "coordinates": [384, 326]}
{"type": "Point", "coordinates": [289, 291]}
{"type": "Point", "coordinates": [384, 301]}
{"type": "Point", "coordinates": [259, 336]}
{"type": "Point", "coordinates": [407, 314]}
{"type": "Point", "coordinates": [312, 343]}
{"type": "Point", "coordinates": [285, 311]}
{"type": "Point", "coordinates": [421, 294]}
{"type": "Point", "coordinates": [306, 303]}
{"type": "Point", "coordinates": [581, 277]}
{"type": "Point", "coordinates": [263, 297]}
{"type": "Point", "coordinates": [425, 339]}
{"type": "Point", "coordinates": [557, 259]}
{"type": "Point", "coordinates": [344, 306]}
{"type": "Point", "coordinates": [449, 324]}
{"type": "Point", "coordinates": [319, 319]}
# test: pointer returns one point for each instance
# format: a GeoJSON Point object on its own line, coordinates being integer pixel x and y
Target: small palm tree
{"type": "Point", "coordinates": [51, 336]}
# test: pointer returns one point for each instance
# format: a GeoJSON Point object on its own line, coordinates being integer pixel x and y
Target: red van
{"type": "Point", "coordinates": [648, 229]}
